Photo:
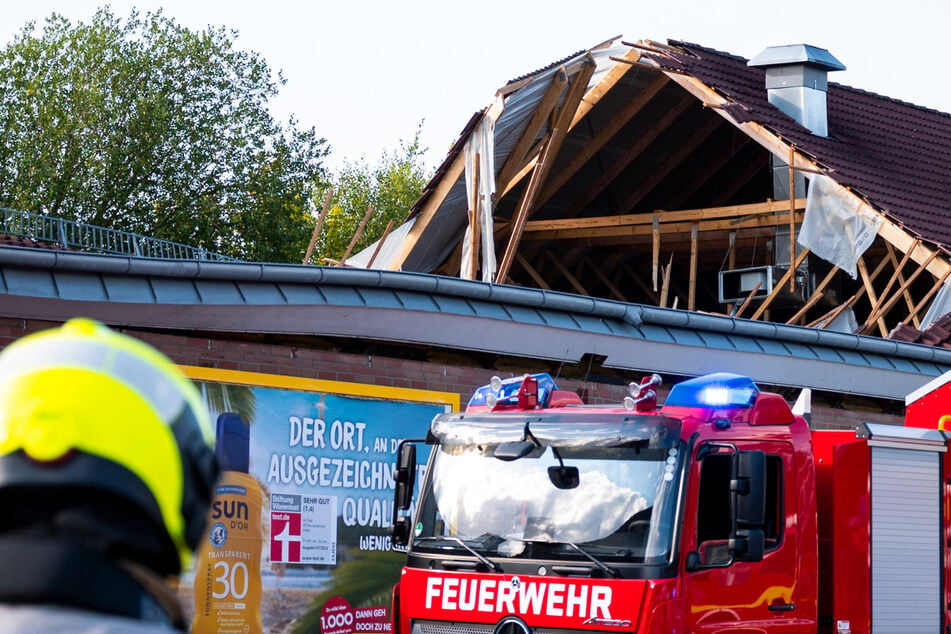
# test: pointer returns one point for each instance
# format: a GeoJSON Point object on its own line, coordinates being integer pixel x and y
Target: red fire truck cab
{"type": "Point", "coordinates": [719, 512]}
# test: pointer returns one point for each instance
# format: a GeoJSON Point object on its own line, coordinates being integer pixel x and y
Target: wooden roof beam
{"type": "Point", "coordinates": [588, 101]}
{"type": "Point", "coordinates": [519, 154]}
{"type": "Point", "coordinates": [712, 167]}
{"type": "Point", "coordinates": [673, 161]}
{"type": "Point", "coordinates": [578, 227]}
{"type": "Point", "coordinates": [560, 129]}
{"type": "Point", "coordinates": [643, 142]}
{"type": "Point", "coordinates": [428, 212]}
{"type": "Point", "coordinates": [601, 139]}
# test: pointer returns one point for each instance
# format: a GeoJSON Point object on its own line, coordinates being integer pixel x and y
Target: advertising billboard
{"type": "Point", "coordinates": [298, 534]}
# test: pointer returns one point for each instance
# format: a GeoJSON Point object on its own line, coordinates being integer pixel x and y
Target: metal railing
{"type": "Point", "coordinates": [79, 236]}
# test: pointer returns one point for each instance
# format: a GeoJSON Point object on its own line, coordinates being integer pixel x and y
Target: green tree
{"type": "Point", "coordinates": [146, 126]}
{"type": "Point", "coordinates": [391, 187]}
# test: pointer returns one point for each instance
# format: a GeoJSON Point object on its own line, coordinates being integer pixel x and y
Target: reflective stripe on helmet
{"type": "Point", "coordinates": [100, 356]}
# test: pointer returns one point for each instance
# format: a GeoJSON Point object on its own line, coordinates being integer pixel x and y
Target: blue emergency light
{"type": "Point", "coordinates": [504, 393]}
{"type": "Point", "coordinates": [720, 390]}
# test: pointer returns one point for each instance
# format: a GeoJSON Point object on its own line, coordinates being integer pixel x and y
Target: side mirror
{"type": "Point", "coordinates": [748, 545]}
{"type": "Point", "coordinates": [400, 530]}
{"type": "Point", "coordinates": [693, 561]}
{"type": "Point", "coordinates": [405, 479]}
{"type": "Point", "coordinates": [405, 475]}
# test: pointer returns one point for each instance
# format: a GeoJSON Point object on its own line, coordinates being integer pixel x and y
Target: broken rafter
{"type": "Point", "coordinates": [475, 223]}
{"type": "Point", "coordinates": [779, 285]}
{"type": "Point", "coordinates": [357, 235]}
{"type": "Point", "coordinates": [872, 296]}
{"type": "Point", "coordinates": [380, 243]}
{"type": "Point", "coordinates": [909, 302]}
{"type": "Point", "coordinates": [878, 312]}
{"type": "Point", "coordinates": [588, 101]}
{"type": "Point", "coordinates": [560, 129]}
{"type": "Point", "coordinates": [748, 300]}
{"type": "Point", "coordinates": [519, 154]}
{"type": "Point", "coordinates": [602, 138]}
{"type": "Point", "coordinates": [317, 227]}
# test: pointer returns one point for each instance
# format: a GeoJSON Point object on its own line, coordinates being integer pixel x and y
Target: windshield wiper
{"type": "Point", "coordinates": [600, 564]}
{"type": "Point", "coordinates": [607, 570]}
{"type": "Point", "coordinates": [494, 567]}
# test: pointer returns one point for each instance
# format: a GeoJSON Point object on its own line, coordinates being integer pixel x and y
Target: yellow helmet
{"type": "Point", "coordinates": [85, 407]}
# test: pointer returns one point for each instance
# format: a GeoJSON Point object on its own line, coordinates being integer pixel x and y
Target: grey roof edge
{"type": "Point", "coordinates": [632, 314]}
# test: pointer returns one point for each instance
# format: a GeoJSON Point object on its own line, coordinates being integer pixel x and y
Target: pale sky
{"type": "Point", "coordinates": [365, 73]}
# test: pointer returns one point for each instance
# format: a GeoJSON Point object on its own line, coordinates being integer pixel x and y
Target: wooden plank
{"type": "Point", "coordinates": [692, 286]}
{"type": "Point", "coordinates": [380, 243]}
{"type": "Point", "coordinates": [878, 313]}
{"type": "Point", "coordinates": [829, 317]}
{"type": "Point", "coordinates": [683, 215]}
{"type": "Point", "coordinates": [779, 285]}
{"type": "Point", "coordinates": [792, 214]}
{"type": "Point", "coordinates": [615, 291]}
{"type": "Point", "coordinates": [538, 279]}
{"type": "Point", "coordinates": [927, 298]}
{"type": "Point", "coordinates": [475, 223]}
{"type": "Point", "coordinates": [603, 136]}
{"type": "Point", "coordinates": [748, 300]}
{"type": "Point", "coordinates": [603, 87]}
{"type": "Point", "coordinates": [873, 298]}
{"type": "Point", "coordinates": [896, 274]}
{"type": "Point", "coordinates": [671, 163]}
{"type": "Point", "coordinates": [357, 234]}
{"type": "Point", "coordinates": [655, 249]}
{"type": "Point", "coordinates": [909, 302]}
{"type": "Point", "coordinates": [813, 299]}
{"type": "Point", "coordinates": [665, 286]}
{"type": "Point", "coordinates": [560, 129]}
{"type": "Point", "coordinates": [519, 154]}
{"type": "Point", "coordinates": [588, 101]}
{"type": "Point", "coordinates": [565, 273]}
{"type": "Point", "coordinates": [318, 226]}
{"type": "Point", "coordinates": [426, 214]}
{"type": "Point", "coordinates": [619, 165]}
{"type": "Point", "coordinates": [746, 222]}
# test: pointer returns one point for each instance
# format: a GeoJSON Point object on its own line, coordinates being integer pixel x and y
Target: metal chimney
{"type": "Point", "coordinates": [796, 82]}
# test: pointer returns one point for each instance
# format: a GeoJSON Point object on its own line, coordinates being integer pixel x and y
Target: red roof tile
{"type": "Point", "coordinates": [894, 154]}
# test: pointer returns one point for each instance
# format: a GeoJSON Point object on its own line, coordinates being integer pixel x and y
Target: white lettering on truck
{"type": "Point", "coordinates": [499, 595]}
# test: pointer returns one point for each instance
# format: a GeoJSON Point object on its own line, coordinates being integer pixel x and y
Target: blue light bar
{"type": "Point", "coordinates": [720, 390]}
{"type": "Point", "coordinates": [507, 394]}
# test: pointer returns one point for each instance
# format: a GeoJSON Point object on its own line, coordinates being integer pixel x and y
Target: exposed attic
{"type": "Point", "coordinates": [658, 174]}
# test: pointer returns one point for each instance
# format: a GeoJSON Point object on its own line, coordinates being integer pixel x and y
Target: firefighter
{"type": "Point", "coordinates": [106, 475]}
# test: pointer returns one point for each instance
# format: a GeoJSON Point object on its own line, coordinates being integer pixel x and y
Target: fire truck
{"type": "Point", "coordinates": [719, 511]}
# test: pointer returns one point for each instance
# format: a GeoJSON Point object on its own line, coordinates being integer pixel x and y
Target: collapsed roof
{"type": "Point", "coordinates": [659, 173]}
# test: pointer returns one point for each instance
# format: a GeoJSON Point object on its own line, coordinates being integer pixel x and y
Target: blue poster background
{"type": "Point", "coordinates": [321, 443]}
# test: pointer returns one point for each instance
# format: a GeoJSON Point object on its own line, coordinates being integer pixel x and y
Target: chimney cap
{"type": "Point", "coordinates": [797, 54]}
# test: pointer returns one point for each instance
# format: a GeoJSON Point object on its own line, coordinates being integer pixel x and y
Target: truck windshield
{"type": "Point", "coordinates": [620, 508]}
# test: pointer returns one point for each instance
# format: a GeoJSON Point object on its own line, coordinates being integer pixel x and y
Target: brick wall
{"type": "Point", "coordinates": [288, 360]}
